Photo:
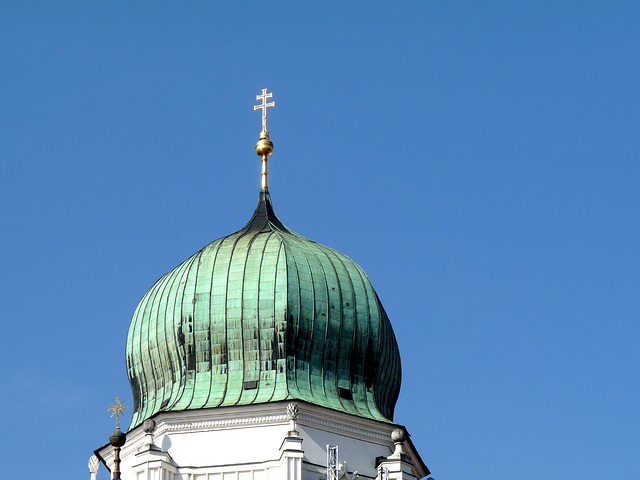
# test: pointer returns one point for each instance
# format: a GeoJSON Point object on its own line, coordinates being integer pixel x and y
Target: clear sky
{"type": "Point", "coordinates": [478, 159]}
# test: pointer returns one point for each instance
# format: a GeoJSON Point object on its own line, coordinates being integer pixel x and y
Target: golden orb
{"type": "Point", "coordinates": [264, 147]}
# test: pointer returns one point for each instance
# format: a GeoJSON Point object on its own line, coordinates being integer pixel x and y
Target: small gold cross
{"type": "Point", "coordinates": [264, 107]}
{"type": "Point", "coordinates": [117, 410]}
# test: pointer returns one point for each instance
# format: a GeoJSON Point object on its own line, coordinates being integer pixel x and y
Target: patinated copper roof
{"type": "Point", "coordinates": [263, 315]}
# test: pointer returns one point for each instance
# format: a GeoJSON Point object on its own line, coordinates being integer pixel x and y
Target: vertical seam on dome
{"type": "Point", "coordinates": [380, 345]}
{"type": "Point", "coordinates": [169, 366]}
{"type": "Point", "coordinates": [194, 341]}
{"type": "Point", "coordinates": [192, 336]}
{"type": "Point", "coordinates": [275, 319]}
{"type": "Point", "coordinates": [289, 324]}
{"type": "Point", "coordinates": [129, 361]}
{"type": "Point", "coordinates": [259, 354]}
{"type": "Point", "coordinates": [298, 328]}
{"type": "Point", "coordinates": [296, 240]}
{"type": "Point", "coordinates": [324, 342]}
{"type": "Point", "coordinates": [226, 323]}
{"type": "Point", "coordinates": [294, 334]}
{"type": "Point", "coordinates": [383, 331]}
{"type": "Point", "coordinates": [354, 339]}
{"type": "Point", "coordinates": [177, 382]}
{"type": "Point", "coordinates": [390, 388]}
{"type": "Point", "coordinates": [148, 408]}
{"type": "Point", "coordinates": [313, 329]}
{"type": "Point", "coordinates": [392, 393]}
{"type": "Point", "coordinates": [368, 334]}
{"type": "Point", "coordinates": [385, 366]}
{"type": "Point", "coordinates": [185, 365]}
{"type": "Point", "coordinates": [327, 252]}
{"type": "Point", "coordinates": [313, 321]}
{"type": "Point", "coordinates": [242, 329]}
{"type": "Point", "coordinates": [171, 284]}
{"type": "Point", "coordinates": [223, 392]}
{"type": "Point", "coordinates": [210, 301]}
{"type": "Point", "coordinates": [138, 325]}
{"type": "Point", "coordinates": [158, 404]}
{"type": "Point", "coordinates": [131, 367]}
{"type": "Point", "coordinates": [148, 376]}
{"type": "Point", "coordinates": [226, 330]}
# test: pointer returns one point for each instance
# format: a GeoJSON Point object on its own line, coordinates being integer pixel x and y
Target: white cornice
{"type": "Point", "coordinates": [342, 427]}
{"type": "Point", "coordinates": [258, 415]}
{"type": "Point", "coordinates": [230, 422]}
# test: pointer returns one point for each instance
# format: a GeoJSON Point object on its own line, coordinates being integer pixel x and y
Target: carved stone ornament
{"type": "Point", "coordinates": [149, 425]}
{"type": "Point", "coordinates": [292, 411]}
{"type": "Point", "coordinates": [94, 463]}
{"type": "Point", "coordinates": [398, 436]}
{"type": "Point", "coordinates": [292, 415]}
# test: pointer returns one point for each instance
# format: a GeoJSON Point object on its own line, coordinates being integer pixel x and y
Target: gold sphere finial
{"type": "Point", "coordinates": [264, 147]}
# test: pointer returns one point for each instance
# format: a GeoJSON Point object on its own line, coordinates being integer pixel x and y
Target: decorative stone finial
{"type": "Point", "coordinates": [292, 411]}
{"type": "Point", "coordinates": [94, 464]}
{"type": "Point", "coordinates": [264, 147]}
{"type": "Point", "coordinates": [292, 415]}
{"type": "Point", "coordinates": [398, 436]}
{"type": "Point", "coordinates": [149, 425]}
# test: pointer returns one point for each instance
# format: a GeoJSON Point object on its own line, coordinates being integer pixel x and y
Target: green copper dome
{"type": "Point", "coordinates": [263, 315]}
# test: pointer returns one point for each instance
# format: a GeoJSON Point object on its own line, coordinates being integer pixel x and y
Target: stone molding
{"type": "Point", "coordinates": [267, 414]}
{"type": "Point", "coordinates": [222, 423]}
{"type": "Point", "coordinates": [264, 420]}
{"type": "Point", "coordinates": [344, 428]}
{"type": "Point", "coordinates": [256, 415]}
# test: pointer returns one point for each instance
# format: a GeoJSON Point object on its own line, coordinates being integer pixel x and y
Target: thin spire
{"type": "Point", "coordinates": [117, 439]}
{"type": "Point", "coordinates": [264, 147]}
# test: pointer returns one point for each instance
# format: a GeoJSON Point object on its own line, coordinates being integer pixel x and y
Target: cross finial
{"type": "Point", "coordinates": [117, 410]}
{"type": "Point", "coordinates": [263, 106]}
{"type": "Point", "coordinates": [264, 147]}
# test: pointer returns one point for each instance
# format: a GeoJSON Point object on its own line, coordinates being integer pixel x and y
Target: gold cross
{"type": "Point", "coordinates": [264, 107]}
{"type": "Point", "coordinates": [117, 410]}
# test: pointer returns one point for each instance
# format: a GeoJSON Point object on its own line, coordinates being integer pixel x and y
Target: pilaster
{"type": "Point", "coordinates": [153, 464]}
{"type": "Point", "coordinates": [291, 453]}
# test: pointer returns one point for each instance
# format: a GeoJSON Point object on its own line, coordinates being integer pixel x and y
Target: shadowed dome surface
{"type": "Point", "coordinates": [263, 315]}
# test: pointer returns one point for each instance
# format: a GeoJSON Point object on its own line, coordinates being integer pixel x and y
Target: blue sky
{"type": "Point", "coordinates": [478, 159]}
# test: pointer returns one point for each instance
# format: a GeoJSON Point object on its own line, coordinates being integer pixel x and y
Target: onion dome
{"type": "Point", "coordinates": [263, 315]}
